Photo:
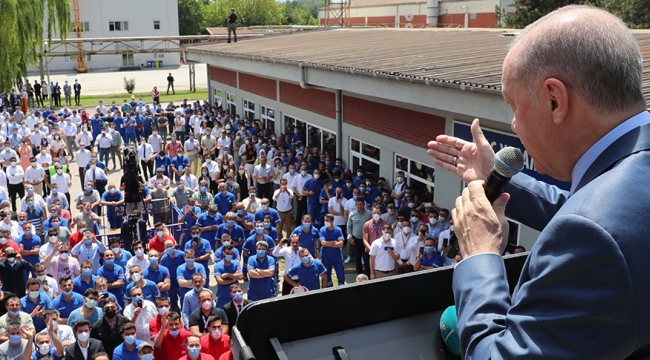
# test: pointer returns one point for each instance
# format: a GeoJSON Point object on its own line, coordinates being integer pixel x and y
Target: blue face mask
{"type": "Point", "coordinates": [193, 352]}
{"type": "Point", "coordinates": [261, 253]}
{"type": "Point", "coordinates": [363, 190]}
{"type": "Point", "coordinates": [88, 241]}
{"type": "Point", "coordinates": [230, 223]}
{"type": "Point", "coordinates": [428, 249]}
{"type": "Point", "coordinates": [137, 298]}
{"type": "Point", "coordinates": [204, 189]}
{"type": "Point", "coordinates": [89, 188]}
{"type": "Point", "coordinates": [30, 203]}
{"type": "Point", "coordinates": [14, 314]}
{"type": "Point", "coordinates": [305, 260]}
{"type": "Point", "coordinates": [228, 258]}
{"type": "Point", "coordinates": [170, 250]}
{"type": "Point", "coordinates": [15, 339]}
{"type": "Point", "coordinates": [292, 171]}
{"type": "Point", "coordinates": [30, 191]}
{"type": "Point", "coordinates": [86, 272]}
{"type": "Point", "coordinates": [109, 261]}
{"type": "Point", "coordinates": [259, 230]}
{"type": "Point", "coordinates": [237, 296]}
{"type": "Point", "coordinates": [265, 207]}
{"type": "Point", "coordinates": [267, 225]}
{"type": "Point", "coordinates": [241, 213]}
{"type": "Point", "coordinates": [55, 191]}
{"type": "Point", "coordinates": [189, 262]}
{"type": "Point", "coordinates": [306, 225]}
{"type": "Point", "coordinates": [67, 293]}
{"type": "Point", "coordinates": [129, 339]}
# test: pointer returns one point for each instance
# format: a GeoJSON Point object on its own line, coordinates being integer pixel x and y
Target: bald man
{"type": "Point", "coordinates": [574, 82]}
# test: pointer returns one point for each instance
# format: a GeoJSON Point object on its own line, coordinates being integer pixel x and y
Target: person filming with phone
{"type": "Point", "coordinates": [383, 257]}
{"type": "Point", "coordinates": [429, 257]}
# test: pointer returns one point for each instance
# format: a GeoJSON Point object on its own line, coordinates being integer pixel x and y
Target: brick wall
{"type": "Point", "coordinates": [314, 100]}
{"type": "Point", "coordinates": [223, 76]}
{"type": "Point", "coordinates": [258, 85]}
{"type": "Point", "coordinates": [410, 126]}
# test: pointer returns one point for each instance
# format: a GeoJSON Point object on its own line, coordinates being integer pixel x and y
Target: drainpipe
{"type": "Point", "coordinates": [433, 11]}
{"type": "Point", "coordinates": [339, 122]}
{"type": "Point", "coordinates": [303, 77]}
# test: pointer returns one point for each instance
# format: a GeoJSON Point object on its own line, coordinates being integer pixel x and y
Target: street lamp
{"type": "Point", "coordinates": [47, 70]}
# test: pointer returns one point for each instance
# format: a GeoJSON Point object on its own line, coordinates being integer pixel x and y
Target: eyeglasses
{"type": "Point", "coordinates": [64, 252]}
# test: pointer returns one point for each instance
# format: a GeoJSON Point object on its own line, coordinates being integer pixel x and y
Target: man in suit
{"type": "Point", "coordinates": [77, 92]}
{"type": "Point", "coordinates": [583, 292]}
{"type": "Point", "coordinates": [234, 307]}
{"type": "Point", "coordinates": [85, 347]}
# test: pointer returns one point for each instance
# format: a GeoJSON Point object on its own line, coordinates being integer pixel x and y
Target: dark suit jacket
{"type": "Point", "coordinates": [583, 292]}
{"type": "Point", "coordinates": [73, 351]}
{"type": "Point", "coordinates": [231, 312]}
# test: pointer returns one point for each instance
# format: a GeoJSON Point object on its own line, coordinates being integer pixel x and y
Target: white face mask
{"type": "Point", "coordinates": [376, 217]}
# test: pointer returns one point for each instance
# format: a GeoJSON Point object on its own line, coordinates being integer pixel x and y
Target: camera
{"type": "Point", "coordinates": [423, 232]}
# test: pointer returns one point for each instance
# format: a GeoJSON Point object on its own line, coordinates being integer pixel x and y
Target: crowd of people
{"type": "Point", "coordinates": [85, 275]}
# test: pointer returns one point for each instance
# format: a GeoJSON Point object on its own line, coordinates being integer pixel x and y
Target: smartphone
{"type": "Point", "coordinates": [445, 242]}
{"type": "Point", "coordinates": [421, 249]}
{"type": "Point", "coordinates": [388, 247]}
{"type": "Point", "coordinates": [138, 303]}
{"type": "Point", "coordinates": [427, 204]}
{"type": "Point", "coordinates": [423, 232]}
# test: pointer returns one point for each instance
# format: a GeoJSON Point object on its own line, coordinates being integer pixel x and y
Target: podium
{"type": "Point", "coordinates": [391, 318]}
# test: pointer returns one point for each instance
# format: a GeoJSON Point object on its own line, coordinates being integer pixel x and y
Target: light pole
{"type": "Point", "coordinates": [47, 70]}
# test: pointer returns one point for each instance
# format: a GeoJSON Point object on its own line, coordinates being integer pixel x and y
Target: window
{"type": "Point", "coordinates": [231, 105]}
{"type": "Point", "coordinates": [268, 118]}
{"type": "Point", "coordinates": [472, 16]}
{"type": "Point", "coordinates": [88, 58]}
{"type": "Point", "coordinates": [156, 24]}
{"type": "Point", "coordinates": [66, 59]}
{"type": "Point", "coordinates": [85, 26]}
{"type": "Point", "coordinates": [366, 156]}
{"type": "Point", "coordinates": [249, 110]}
{"type": "Point", "coordinates": [118, 26]}
{"type": "Point", "coordinates": [419, 177]}
{"type": "Point", "coordinates": [155, 55]}
{"type": "Point", "coordinates": [218, 97]}
{"type": "Point", "coordinates": [127, 59]}
{"type": "Point", "coordinates": [315, 136]}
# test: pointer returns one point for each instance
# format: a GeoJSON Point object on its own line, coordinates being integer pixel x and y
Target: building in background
{"type": "Point", "coordinates": [115, 19]}
{"type": "Point", "coordinates": [405, 13]}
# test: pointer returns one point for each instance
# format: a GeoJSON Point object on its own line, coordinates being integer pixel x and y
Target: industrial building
{"type": "Point", "coordinates": [101, 19]}
{"type": "Point", "coordinates": [376, 96]}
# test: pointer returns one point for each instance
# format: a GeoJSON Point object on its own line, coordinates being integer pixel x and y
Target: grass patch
{"type": "Point", "coordinates": [93, 100]}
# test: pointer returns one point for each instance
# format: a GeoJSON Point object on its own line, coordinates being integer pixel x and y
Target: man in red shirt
{"type": "Point", "coordinates": [157, 242]}
{"type": "Point", "coordinates": [78, 236]}
{"type": "Point", "coordinates": [215, 342]}
{"type": "Point", "coordinates": [5, 241]}
{"type": "Point", "coordinates": [170, 341]}
{"type": "Point", "coordinates": [194, 349]}
{"type": "Point", "coordinates": [162, 304]}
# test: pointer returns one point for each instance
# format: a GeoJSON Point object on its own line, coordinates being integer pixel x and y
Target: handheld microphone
{"type": "Point", "coordinates": [507, 163]}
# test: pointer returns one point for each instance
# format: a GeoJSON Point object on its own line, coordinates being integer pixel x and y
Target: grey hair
{"type": "Point", "coordinates": [599, 60]}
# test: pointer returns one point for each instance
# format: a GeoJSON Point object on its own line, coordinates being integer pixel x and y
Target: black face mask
{"type": "Point", "coordinates": [110, 313]}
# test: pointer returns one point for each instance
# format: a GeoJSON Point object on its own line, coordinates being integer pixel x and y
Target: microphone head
{"type": "Point", "coordinates": [449, 330]}
{"type": "Point", "coordinates": [509, 161]}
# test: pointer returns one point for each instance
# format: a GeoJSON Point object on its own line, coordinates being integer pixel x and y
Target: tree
{"type": "Point", "coordinates": [190, 17]}
{"type": "Point", "coordinates": [635, 13]}
{"type": "Point", "coordinates": [21, 26]}
{"type": "Point", "coordinates": [250, 12]}
{"type": "Point", "coordinates": [528, 11]}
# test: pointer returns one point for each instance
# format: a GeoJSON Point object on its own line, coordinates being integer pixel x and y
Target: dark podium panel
{"type": "Point", "coordinates": [391, 318]}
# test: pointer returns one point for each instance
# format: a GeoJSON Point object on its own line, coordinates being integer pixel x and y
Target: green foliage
{"type": "Point", "coordinates": [635, 13]}
{"type": "Point", "coordinates": [21, 26]}
{"type": "Point", "coordinates": [301, 13]}
{"type": "Point", "coordinates": [129, 85]}
{"type": "Point", "coordinates": [250, 12]}
{"type": "Point", "coordinates": [190, 17]}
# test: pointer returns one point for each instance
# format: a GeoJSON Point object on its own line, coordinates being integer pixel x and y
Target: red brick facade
{"type": "Point", "coordinates": [223, 76]}
{"type": "Point", "coordinates": [258, 85]}
{"type": "Point", "coordinates": [409, 126]}
{"type": "Point", "coordinates": [314, 100]}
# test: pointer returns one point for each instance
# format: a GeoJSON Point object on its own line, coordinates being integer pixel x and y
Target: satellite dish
{"type": "Point", "coordinates": [409, 26]}
{"type": "Point", "coordinates": [408, 17]}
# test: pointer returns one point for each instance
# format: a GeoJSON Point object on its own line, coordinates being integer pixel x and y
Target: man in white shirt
{"type": "Point", "coordinates": [155, 141]}
{"type": "Point", "coordinates": [70, 133]}
{"type": "Point", "coordinates": [263, 175]}
{"type": "Point", "coordinates": [224, 142]}
{"type": "Point", "coordinates": [34, 175]}
{"type": "Point", "coordinates": [101, 108]}
{"type": "Point", "coordinates": [38, 199]}
{"type": "Point", "coordinates": [8, 224]}
{"type": "Point", "coordinates": [298, 185]}
{"type": "Point", "coordinates": [63, 332]}
{"type": "Point", "coordinates": [24, 131]}
{"type": "Point", "coordinates": [83, 159]}
{"type": "Point", "coordinates": [382, 255]}
{"type": "Point", "coordinates": [140, 315]}
{"type": "Point", "coordinates": [443, 239]}
{"type": "Point", "coordinates": [97, 176]}
{"type": "Point", "coordinates": [104, 141]}
{"type": "Point", "coordinates": [283, 198]}
{"type": "Point", "coordinates": [404, 240]}
{"type": "Point", "coordinates": [336, 207]}
{"type": "Point", "coordinates": [192, 147]}
{"type": "Point", "coordinates": [62, 182]}
{"type": "Point", "coordinates": [36, 136]}
{"type": "Point", "coordinates": [145, 153]}
{"type": "Point", "coordinates": [15, 177]}
{"type": "Point", "coordinates": [44, 157]}
{"type": "Point", "coordinates": [213, 167]}
{"type": "Point", "coordinates": [189, 180]}
{"type": "Point", "coordinates": [291, 254]}
{"type": "Point", "coordinates": [84, 137]}
{"type": "Point", "coordinates": [75, 118]}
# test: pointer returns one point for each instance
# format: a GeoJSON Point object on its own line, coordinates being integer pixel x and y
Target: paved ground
{"type": "Point", "coordinates": [99, 83]}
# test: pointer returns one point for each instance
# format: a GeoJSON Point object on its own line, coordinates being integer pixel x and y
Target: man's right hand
{"type": "Point", "coordinates": [474, 160]}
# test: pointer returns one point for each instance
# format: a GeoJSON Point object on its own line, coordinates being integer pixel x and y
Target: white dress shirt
{"type": "Point", "coordinates": [38, 201]}
{"type": "Point", "coordinates": [76, 119]}
{"type": "Point", "coordinates": [265, 171]}
{"type": "Point", "coordinates": [213, 169]}
{"type": "Point", "coordinates": [148, 313]}
{"type": "Point", "coordinates": [134, 261]}
{"type": "Point", "coordinates": [155, 142]}
{"type": "Point", "coordinates": [283, 200]}
{"type": "Point", "coordinates": [402, 241]}
{"type": "Point", "coordinates": [47, 158]}
{"type": "Point", "coordinates": [70, 129]}
{"type": "Point", "coordinates": [34, 174]}
{"type": "Point", "coordinates": [84, 137]}
{"type": "Point", "coordinates": [190, 182]}
{"type": "Point", "coordinates": [104, 142]}
{"type": "Point", "coordinates": [63, 181]}
{"type": "Point", "coordinates": [95, 174]}
{"type": "Point", "coordinates": [15, 174]}
{"type": "Point", "coordinates": [36, 137]}
{"type": "Point", "coordinates": [291, 257]}
{"type": "Point", "coordinates": [299, 183]}
{"type": "Point", "coordinates": [12, 226]}
{"type": "Point", "coordinates": [83, 157]}
{"type": "Point", "coordinates": [145, 151]}
{"type": "Point", "coordinates": [192, 147]}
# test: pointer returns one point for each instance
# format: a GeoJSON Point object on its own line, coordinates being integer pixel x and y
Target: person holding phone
{"type": "Point", "coordinates": [429, 257]}
{"type": "Point", "coordinates": [383, 257]}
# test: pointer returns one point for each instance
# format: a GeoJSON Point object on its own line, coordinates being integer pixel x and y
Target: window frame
{"type": "Point", "coordinates": [408, 176]}
{"type": "Point", "coordinates": [361, 156]}
{"type": "Point", "coordinates": [304, 129]}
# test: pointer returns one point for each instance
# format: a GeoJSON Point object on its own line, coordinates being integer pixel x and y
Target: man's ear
{"type": "Point", "coordinates": [555, 98]}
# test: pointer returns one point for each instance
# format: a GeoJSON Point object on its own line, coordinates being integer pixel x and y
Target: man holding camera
{"type": "Point", "coordinates": [383, 256]}
{"type": "Point", "coordinates": [141, 312]}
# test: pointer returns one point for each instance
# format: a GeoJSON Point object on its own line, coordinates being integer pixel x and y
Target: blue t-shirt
{"type": "Point", "coordinates": [205, 220]}
{"type": "Point", "coordinates": [76, 316]}
{"type": "Point", "coordinates": [329, 235]}
{"type": "Point", "coordinates": [316, 186]}
{"type": "Point", "coordinates": [112, 275]}
{"type": "Point", "coordinates": [323, 196]}
{"type": "Point", "coordinates": [182, 272]}
{"type": "Point", "coordinates": [224, 202]}
{"type": "Point", "coordinates": [124, 257]}
{"type": "Point", "coordinates": [272, 232]}
{"type": "Point", "coordinates": [260, 214]}
{"type": "Point", "coordinates": [157, 276]}
{"type": "Point", "coordinates": [172, 265]}
{"type": "Point", "coordinates": [262, 286]}
{"type": "Point", "coordinates": [30, 244]}
{"type": "Point", "coordinates": [180, 163]}
{"type": "Point", "coordinates": [163, 163]}
{"type": "Point", "coordinates": [122, 353]}
{"type": "Point", "coordinates": [223, 291]}
{"type": "Point", "coordinates": [80, 286]}
{"type": "Point", "coordinates": [218, 254]}
{"type": "Point", "coordinates": [237, 234]}
{"type": "Point", "coordinates": [251, 244]}
{"type": "Point", "coordinates": [66, 307]}
{"type": "Point", "coordinates": [308, 238]}
{"type": "Point", "coordinates": [435, 260]}
{"type": "Point", "coordinates": [203, 248]}
{"type": "Point", "coordinates": [308, 276]}
{"type": "Point", "coordinates": [149, 291]}
{"type": "Point", "coordinates": [28, 306]}
{"type": "Point", "coordinates": [37, 356]}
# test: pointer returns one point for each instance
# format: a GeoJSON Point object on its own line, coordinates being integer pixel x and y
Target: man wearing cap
{"type": "Point", "coordinates": [145, 351]}
{"type": "Point", "coordinates": [232, 24]}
